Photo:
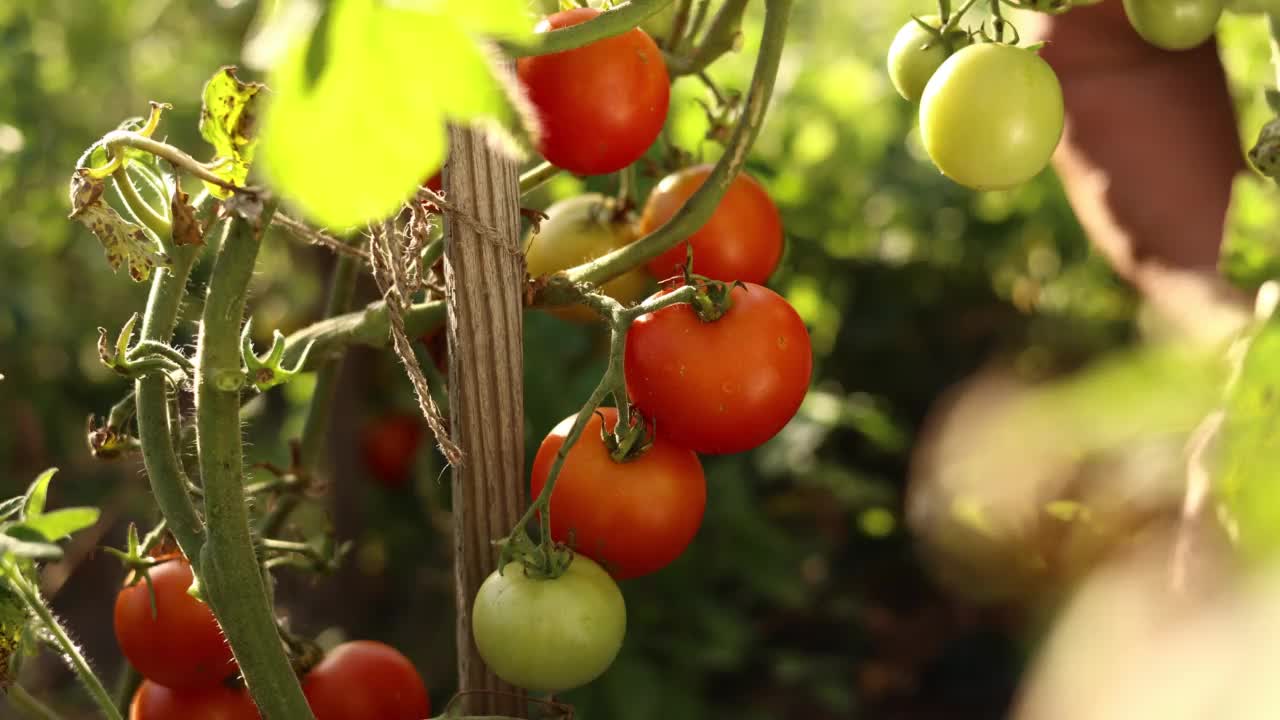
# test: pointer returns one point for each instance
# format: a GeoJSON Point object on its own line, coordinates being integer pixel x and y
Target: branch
{"type": "Point", "coordinates": [28, 705]}
{"type": "Point", "coordinates": [721, 37]}
{"type": "Point", "coordinates": [231, 573]}
{"type": "Point", "coordinates": [117, 138]}
{"type": "Point", "coordinates": [308, 234]}
{"type": "Point", "coordinates": [159, 454]}
{"type": "Point", "coordinates": [606, 25]}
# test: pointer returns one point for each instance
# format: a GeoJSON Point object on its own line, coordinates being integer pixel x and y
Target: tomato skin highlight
{"type": "Point", "coordinates": [366, 680]}
{"type": "Point", "coordinates": [1174, 24]}
{"type": "Point", "coordinates": [157, 702]}
{"type": "Point", "coordinates": [549, 635]}
{"type": "Point", "coordinates": [991, 116]}
{"type": "Point", "coordinates": [576, 231]}
{"type": "Point", "coordinates": [743, 240]}
{"type": "Point", "coordinates": [183, 646]}
{"type": "Point", "coordinates": [601, 105]}
{"type": "Point", "coordinates": [633, 517]}
{"type": "Point", "coordinates": [725, 386]}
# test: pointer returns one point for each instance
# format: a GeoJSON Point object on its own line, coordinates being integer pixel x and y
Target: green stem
{"type": "Point", "coordinates": [124, 138]}
{"type": "Point", "coordinates": [679, 24]}
{"type": "Point", "coordinates": [694, 27]}
{"type": "Point", "coordinates": [533, 179]}
{"type": "Point", "coordinates": [431, 254]}
{"type": "Point", "coordinates": [122, 411]}
{"type": "Point", "coordinates": [702, 204]}
{"type": "Point", "coordinates": [232, 576]}
{"type": "Point", "coordinates": [944, 11]}
{"type": "Point", "coordinates": [28, 705]}
{"type": "Point", "coordinates": [613, 383]}
{"type": "Point", "coordinates": [141, 210]}
{"type": "Point", "coordinates": [30, 595]}
{"type": "Point", "coordinates": [721, 37]}
{"type": "Point", "coordinates": [606, 25]}
{"type": "Point", "coordinates": [127, 682]}
{"type": "Point", "coordinates": [168, 480]}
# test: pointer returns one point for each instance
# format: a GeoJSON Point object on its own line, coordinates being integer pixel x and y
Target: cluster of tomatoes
{"type": "Point", "coordinates": [722, 375]}
{"type": "Point", "coordinates": [189, 673]}
{"type": "Point", "coordinates": [991, 114]}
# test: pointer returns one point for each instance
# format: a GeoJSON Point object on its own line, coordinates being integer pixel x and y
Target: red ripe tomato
{"type": "Point", "coordinates": [435, 182]}
{"type": "Point", "coordinates": [366, 680]}
{"type": "Point", "coordinates": [601, 105]}
{"type": "Point", "coordinates": [180, 647]}
{"type": "Point", "coordinates": [632, 517]}
{"type": "Point", "coordinates": [157, 702]}
{"type": "Point", "coordinates": [389, 446]}
{"type": "Point", "coordinates": [741, 241]}
{"type": "Point", "coordinates": [724, 386]}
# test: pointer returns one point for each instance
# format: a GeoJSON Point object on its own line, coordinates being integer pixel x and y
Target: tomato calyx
{"type": "Point", "coordinates": [142, 554]}
{"type": "Point", "coordinates": [627, 443]}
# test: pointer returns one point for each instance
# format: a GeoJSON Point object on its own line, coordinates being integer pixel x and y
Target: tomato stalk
{"type": "Point", "coordinates": [168, 480]}
{"type": "Point", "coordinates": [606, 25]}
{"type": "Point", "coordinates": [232, 576]}
{"type": "Point", "coordinates": [544, 559]}
{"type": "Point", "coordinates": [679, 25]}
{"type": "Point", "coordinates": [721, 37]}
{"type": "Point", "coordinates": [534, 178]}
{"type": "Point", "coordinates": [29, 593]}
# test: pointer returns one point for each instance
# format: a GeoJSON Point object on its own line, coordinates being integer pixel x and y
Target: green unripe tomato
{"type": "Point", "coordinates": [549, 635]}
{"type": "Point", "coordinates": [1252, 7]}
{"type": "Point", "coordinates": [991, 116]}
{"type": "Point", "coordinates": [1174, 24]}
{"type": "Point", "coordinates": [916, 54]}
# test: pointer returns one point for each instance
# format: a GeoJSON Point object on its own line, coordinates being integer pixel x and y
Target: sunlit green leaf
{"type": "Point", "coordinates": [228, 121]}
{"type": "Point", "coordinates": [61, 523]}
{"type": "Point", "coordinates": [1250, 251]}
{"type": "Point", "coordinates": [352, 143]}
{"type": "Point", "coordinates": [37, 492]}
{"type": "Point", "coordinates": [1249, 474]}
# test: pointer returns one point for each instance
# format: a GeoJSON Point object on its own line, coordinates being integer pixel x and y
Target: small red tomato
{"type": "Point", "coordinates": [723, 386]}
{"type": "Point", "coordinates": [366, 680]}
{"type": "Point", "coordinates": [601, 105]}
{"type": "Point", "coordinates": [435, 182]}
{"type": "Point", "coordinates": [157, 702]}
{"type": "Point", "coordinates": [389, 446]}
{"type": "Point", "coordinates": [181, 646]}
{"type": "Point", "coordinates": [742, 240]}
{"type": "Point", "coordinates": [632, 517]}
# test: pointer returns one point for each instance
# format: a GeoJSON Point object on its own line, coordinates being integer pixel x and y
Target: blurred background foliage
{"type": "Point", "coordinates": [804, 595]}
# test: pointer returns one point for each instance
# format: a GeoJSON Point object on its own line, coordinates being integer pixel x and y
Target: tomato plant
{"type": "Point", "coordinates": [723, 386]}
{"type": "Point", "coordinates": [181, 645]}
{"type": "Point", "coordinates": [633, 517]}
{"type": "Point", "coordinates": [153, 701]}
{"type": "Point", "coordinates": [991, 116]}
{"type": "Point", "coordinates": [366, 680]}
{"type": "Point", "coordinates": [578, 230]}
{"type": "Point", "coordinates": [601, 105]}
{"type": "Point", "coordinates": [389, 446]}
{"type": "Point", "coordinates": [1174, 24]}
{"type": "Point", "coordinates": [742, 240]}
{"type": "Point", "coordinates": [549, 634]}
{"type": "Point", "coordinates": [916, 54]}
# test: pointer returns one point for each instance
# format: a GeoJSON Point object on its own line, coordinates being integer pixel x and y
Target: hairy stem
{"type": "Point", "coordinates": [534, 178]}
{"type": "Point", "coordinates": [30, 595]}
{"type": "Point", "coordinates": [159, 453]}
{"type": "Point", "coordinates": [232, 576]}
{"type": "Point", "coordinates": [608, 24]}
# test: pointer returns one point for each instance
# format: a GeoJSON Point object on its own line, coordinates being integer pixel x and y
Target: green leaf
{"type": "Point", "coordinates": [352, 143]}
{"type": "Point", "coordinates": [33, 504]}
{"type": "Point", "coordinates": [61, 523]}
{"type": "Point", "coordinates": [227, 121]}
{"type": "Point", "coordinates": [1249, 458]}
{"type": "Point", "coordinates": [33, 550]}
{"type": "Point", "coordinates": [1250, 251]}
